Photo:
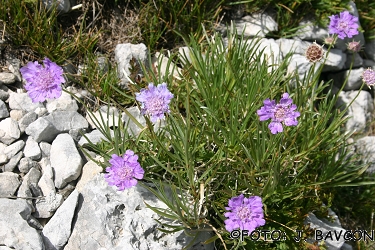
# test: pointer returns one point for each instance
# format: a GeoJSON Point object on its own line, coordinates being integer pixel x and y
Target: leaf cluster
{"type": "Point", "coordinates": [213, 146]}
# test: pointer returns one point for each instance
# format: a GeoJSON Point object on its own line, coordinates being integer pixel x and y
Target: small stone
{"type": "Point", "coordinates": [9, 183]}
{"type": "Point", "coordinates": [26, 164]}
{"type": "Point", "coordinates": [57, 231]}
{"type": "Point", "coordinates": [4, 113]}
{"type": "Point", "coordinates": [14, 148]}
{"type": "Point", "coordinates": [47, 206]}
{"type": "Point", "coordinates": [45, 147]}
{"type": "Point", "coordinates": [26, 120]}
{"type": "Point", "coordinates": [4, 95]}
{"type": "Point", "coordinates": [7, 78]}
{"type": "Point", "coordinates": [22, 101]}
{"type": "Point", "coordinates": [32, 149]}
{"type": "Point", "coordinates": [65, 160]}
{"type": "Point", "coordinates": [9, 167]}
{"type": "Point", "coordinates": [17, 114]}
{"type": "Point", "coordinates": [42, 130]}
{"type": "Point", "coordinates": [9, 131]}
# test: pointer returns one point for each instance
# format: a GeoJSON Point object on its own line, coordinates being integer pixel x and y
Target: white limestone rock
{"type": "Point", "coordinates": [3, 110]}
{"type": "Point", "coordinates": [9, 131]}
{"type": "Point", "coordinates": [22, 101]}
{"type": "Point", "coordinates": [32, 149]}
{"type": "Point", "coordinates": [15, 231]}
{"type": "Point", "coordinates": [257, 24]}
{"type": "Point", "coordinates": [57, 231]}
{"type": "Point", "coordinates": [65, 160]}
{"type": "Point", "coordinates": [9, 182]}
{"type": "Point", "coordinates": [42, 130]}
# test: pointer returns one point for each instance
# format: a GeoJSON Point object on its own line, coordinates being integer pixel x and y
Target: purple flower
{"type": "Point", "coordinates": [245, 213]}
{"type": "Point", "coordinates": [368, 77]}
{"type": "Point", "coordinates": [124, 171]}
{"type": "Point", "coordinates": [279, 113]}
{"type": "Point", "coordinates": [43, 81]}
{"type": "Point", "coordinates": [345, 25]}
{"type": "Point", "coordinates": [155, 101]}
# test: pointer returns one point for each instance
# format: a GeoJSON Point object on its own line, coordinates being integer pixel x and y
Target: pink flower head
{"type": "Point", "coordinates": [124, 171]}
{"type": "Point", "coordinates": [43, 81]}
{"type": "Point", "coordinates": [284, 112]}
{"type": "Point", "coordinates": [155, 101]}
{"type": "Point", "coordinates": [245, 213]}
{"type": "Point", "coordinates": [344, 25]}
{"type": "Point", "coordinates": [368, 77]}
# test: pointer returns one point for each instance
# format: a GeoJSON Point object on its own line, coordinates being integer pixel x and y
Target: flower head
{"type": "Point", "coordinates": [330, 40]}
{"type": "Point", "coordinates": [155, 101]}
{"type": "Point", "coordinates": [43, 81]}
{"type": "Point", "coordinates": [344, 25]}
{"type": "Point", "coordinates": [284, 112]}
{"type": "Point", "coordinates": [124, 171]}
{"type": "Point", "coordinates": [368, 77]}
{"type": "Point", "coordinates": [314, 52]}
{"type": "Point", "coordinates": [354, 46]}
{"type": "Point", "coordinates": [245, 213]}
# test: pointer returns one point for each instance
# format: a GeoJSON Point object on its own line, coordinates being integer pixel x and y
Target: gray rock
{"type": "Point", "coordinates": [64, 103]}
{"type": "Point", "coordinates": [124, 54]}
{"type": "Point", "coordinates": [325, 225]}
{"type": "Point", "coordinates": [3, 159]}
{"type": "Point", "coordinates": [46, 181]}
{"type": "Point", "coordinates": [9, 167]}
{"type": "Point", "coordinates": [76, 133]}
{"type": "Point", "coordinates": [63, 6]}
{"type": "Point", "coordinates": [257, 24]}
{"type": "Point", "coordinates": [294, 46]}
{"type": "Point", "coordinates": [15, 231]}
{"type": "Point", "coordinates": [370, 49]}
{"type": "Point", "coordinates": [45, 208]}
{"type": "Point", "coordinates": [121, 220]}
{"type": "Point", "coordinates": [23, 102]}
{"type": "Point", "coordinates": [26, 164]}
{"type": "Point", "coordinates": [132, 127]}
{"type": "Point", "coordinates": [9, 131]}
{"type": "Point", "coordinates": [7, 78]}
{"type": "Point", "coordinates": [359, 112]}
{"type": "Point", "coordinates": [4, 95]}
{"type": "Point", "coordinates": [14, 67]}
{"type": "Point", "coordinates": [65, 160]}
{"type": "Point", "coordinates": [14, 148]}
{"type": "Point", "coordinates": [94, 137]}
{"type": "Point", "coordinates": [358, 61]}
{"type": "Point", "coordinates": [32, 149]}
{"type": "Point", "coordinates": [17, 114]}
{"type": "Point", "coordinates": [354, 79]}
{"type": "Point", "coordinates": [366, 148]}
{"type": "Point", "coordinates": [45, 148]}
{"type": "Point", "coordinates": [9, 183]}
{"type": "Point", "coordinates": [42, 130]}
{"type": "Point", "coordinates": [29, 185]}
{"type": "Point", "coordinates": [335, 60]}
{"type": "Point", "coordinates": [26, 120]}
{"type": "Point", "coordinates": [3, 110]}
{"type": "Point", "coordinates": [64, 121]}
{"type": "Point", "coordinates": [165, 66]}
{"type": "Point", "coordinates": [57, 231]}
{"type": "Point", "coordinates": [104, 117]}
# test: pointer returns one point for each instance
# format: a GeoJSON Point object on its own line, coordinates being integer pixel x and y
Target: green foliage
{"type": "Point", "coordinates": [101, 79]}
{"type": "Point", "coordinates": [366, 11]}
{"type": "Point", "coordinates": [214, 147]}
{"type": "Point", "coordinates": [30, 24]}
{"type": "Point", "coordinates": [162, 21]}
